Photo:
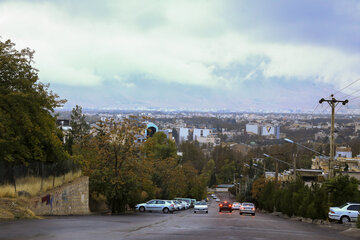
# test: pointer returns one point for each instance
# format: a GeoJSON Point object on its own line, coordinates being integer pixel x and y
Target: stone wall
{"type": "Point", "coordinates": [69, 199]}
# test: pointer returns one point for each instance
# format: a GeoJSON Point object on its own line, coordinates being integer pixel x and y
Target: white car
{"type": "Point", "coordinates": [185, 203]}
{"type": "Point", "coordinates": [201, 207]}
{"type": "Point", "coordinates": [345, 213]}
{"type": "Point", "coordinates": [236, 205]}
{"type": "Point", "coordinates": [217, 200]}
{"type": "Point", "coordinates": [156, 205]}
{"type": "Point", "coordinates": [177, 206]}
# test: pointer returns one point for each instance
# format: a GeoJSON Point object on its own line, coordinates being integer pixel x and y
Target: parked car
{"type": "Point", "coordinates": [177, 206]}
{"type": "Point", "coordinates": [236, 205]}
{"type": "Point", "coordinates": [225, 206]}
{"type": "Point", "coordinates": [247, 207]}
{"type": "Point", "coordinates": [156, 205]}
{"type": "Point", "coordinates": [345, 213]}
{"type": "Point", "coordinates": [181, 205]}
{"type": "Point", "coordinates": [201, 206]}
{"type": "Point", "coordinates": [188, 200]}
{"type": "Point", "coordinates": [185, 203]}
{"type": "Point", "coordinates": [217, 200]}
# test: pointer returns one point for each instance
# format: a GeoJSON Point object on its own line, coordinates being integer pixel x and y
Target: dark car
{"type": "Point", "coordinates": [225, 206]}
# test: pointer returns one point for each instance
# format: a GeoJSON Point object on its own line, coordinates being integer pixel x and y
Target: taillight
{"type": "Point", "coordinates": [220, 205]}
{"type": "Point", "coordinates": [242, 208]}
{"type": "Point", "coordinates": [229, 205]}
{"type": "Point", "coordinates": [253, 209]}
{"type": "Point", "coordinates": [332, 211]}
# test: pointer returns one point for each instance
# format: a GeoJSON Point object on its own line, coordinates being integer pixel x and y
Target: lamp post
{"type": "Point", "coordinates": [312, 150]}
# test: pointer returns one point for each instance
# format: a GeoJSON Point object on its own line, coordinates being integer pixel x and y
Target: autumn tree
{"type": "Point", "coordinates": [115, 164]}
{"type": "Point", "coordinates": [28, 131]}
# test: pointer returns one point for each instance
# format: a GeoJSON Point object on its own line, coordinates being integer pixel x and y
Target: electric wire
{"type": "Point", "coordinates": [347, 86]}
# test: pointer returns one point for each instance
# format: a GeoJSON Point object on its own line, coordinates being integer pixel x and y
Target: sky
{"type": "Point", "coordinates": [237, 55]}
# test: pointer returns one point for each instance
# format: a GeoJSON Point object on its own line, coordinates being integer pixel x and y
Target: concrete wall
{"type": "Point", "coordinates": [68, 199]}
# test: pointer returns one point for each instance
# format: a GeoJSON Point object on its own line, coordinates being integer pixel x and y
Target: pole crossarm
{"type": "Point", "coordinates": [333, 103]}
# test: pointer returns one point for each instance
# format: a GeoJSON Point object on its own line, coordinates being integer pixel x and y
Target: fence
{"type": "Point", "coordinates": [41, 171]}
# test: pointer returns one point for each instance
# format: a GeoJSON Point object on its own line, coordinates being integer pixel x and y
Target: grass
{"type": "Point", "coordinates": [32, 185]}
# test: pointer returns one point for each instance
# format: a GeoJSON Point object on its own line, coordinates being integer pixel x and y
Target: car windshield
{"type": "Point", "coordinates": [201, 203]}
{"type": "Point", "coordinates": [248, 204]}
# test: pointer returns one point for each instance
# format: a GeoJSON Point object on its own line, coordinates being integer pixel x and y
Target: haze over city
{"type": "Point", "coordinates": [267, 56]}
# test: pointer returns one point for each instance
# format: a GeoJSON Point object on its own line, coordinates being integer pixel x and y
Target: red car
{"type": "Point", "coordinates": [225, 206]}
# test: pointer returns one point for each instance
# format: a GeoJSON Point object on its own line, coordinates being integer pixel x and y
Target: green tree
{"type": "Point", "coordinates": [167, 175]}
{"type": "Point", "coordinates": [28, 130]}
{"type": "Point", "coordinates": [79, 128]}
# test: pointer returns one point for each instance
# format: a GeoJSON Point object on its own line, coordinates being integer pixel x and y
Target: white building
{"type": "Point", "coordinates": [253, 129]}
{"type": "Point", "coordinates": [270, 131]}
{"type": "Point", "coordinates": [185, 134]}
{"type": "Point", "coordinates": [201, 133]}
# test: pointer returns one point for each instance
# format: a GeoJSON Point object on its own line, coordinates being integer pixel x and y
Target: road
{"type": "Point", "coordinates": [180, 225]}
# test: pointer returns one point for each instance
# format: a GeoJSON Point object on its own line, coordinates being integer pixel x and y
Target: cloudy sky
{"type": "Point", "coordinates": [238, 55]}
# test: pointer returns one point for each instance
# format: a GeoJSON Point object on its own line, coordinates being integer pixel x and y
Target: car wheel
{"type": "Point", "coordinates": [166, 210]}
{"type": "Point", "coordinates": [219, 210]}
{"type": "Point", "coordinates": [231, 211]}
{"type": "Point", "coordinates": [207, 212]}
{"type": "Point", "coordinates": [240, 213]}
{"type": "Point", "coordinates": [194, 211]}
{"type": "Point", "coordinates": [141, 209]}
{"type": "Point", "coordinates": [253, 214]}
{"type": "Point", "coordinates": [344, 219]}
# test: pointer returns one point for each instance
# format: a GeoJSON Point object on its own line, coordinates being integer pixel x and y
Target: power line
{"type": "Point", "coordinates": [347, 86]}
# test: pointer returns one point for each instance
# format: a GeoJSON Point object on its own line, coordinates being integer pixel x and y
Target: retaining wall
{"type": "Point", "coordinates": [69, 199]}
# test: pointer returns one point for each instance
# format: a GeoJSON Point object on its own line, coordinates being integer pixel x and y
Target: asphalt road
{"type": "Point", "coordinates": [180, 225]}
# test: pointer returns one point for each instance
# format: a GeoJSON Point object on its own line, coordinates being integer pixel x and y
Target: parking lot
{"type": "Point", "coordinates": [180, 225]}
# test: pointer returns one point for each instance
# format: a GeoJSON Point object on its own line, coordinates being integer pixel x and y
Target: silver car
{"type": "Point", "coordinates": [156, 205]}
{"type": "Point", "coordinates": [201, 207]}
{"type": "Point", "coordinates": [236, 205]}
{"type": "Point", "coordinates": [247, 208]}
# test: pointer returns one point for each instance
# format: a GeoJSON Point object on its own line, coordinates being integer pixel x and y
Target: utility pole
{"type": "Point", "coordinates": [294, 163]}
{"type": "Point", "coordinates": [276, 171]}
{"type": "Point", "coordinates": [333, 103]}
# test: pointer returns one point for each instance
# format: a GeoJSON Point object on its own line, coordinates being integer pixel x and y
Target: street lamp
{"type": "Point", "coordinates": [291, 141]}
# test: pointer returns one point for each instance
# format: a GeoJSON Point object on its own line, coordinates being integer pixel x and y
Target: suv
{"type": "Point", "coordinates": [156, 205]}
{"type": "Point", "coordinates": [345, 213]}
{"type": "Point", "coordinates": [225, 206]}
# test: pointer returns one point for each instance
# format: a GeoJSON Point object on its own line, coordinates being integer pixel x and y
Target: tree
{"type": "Point", "coordinates": [28, 130]}
{"type": "Point", "coordinates": [115, 164]}
{"type": "Point", "coordinates": [79, 128]}
{"type": "Point", "coordinates": [167, 175]}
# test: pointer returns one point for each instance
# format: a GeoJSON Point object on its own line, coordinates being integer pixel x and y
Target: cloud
{"type": "Point", "coordinates": [192, 43]}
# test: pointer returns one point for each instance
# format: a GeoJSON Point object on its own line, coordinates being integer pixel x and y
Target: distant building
{"type": "Point", "coordinates": [201, 133]}
{"type": "Point", "coordinates": [184, 134]}
{"type": "Point", "coordinates": [214, 141]}
{"type": "Point", "coordinates": [343, 152]}
{"type": "Point", "coordinates": [272, 131]}
{"type": "Point", "coordinates": [253, 129]}
{"type": "Point", "coordinates": [344, 162]}
{"type": "Point", "coordinates": [269, 130]}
